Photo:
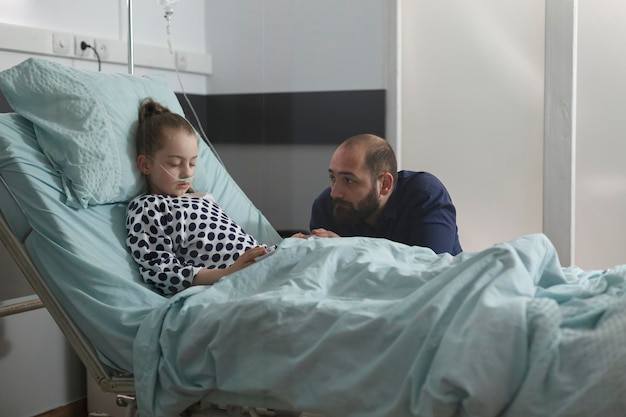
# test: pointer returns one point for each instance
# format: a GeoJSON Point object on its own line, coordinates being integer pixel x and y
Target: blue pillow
{"type": "Point", "coordinates": [85, 123]}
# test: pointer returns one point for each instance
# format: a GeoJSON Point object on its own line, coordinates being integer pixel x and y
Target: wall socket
{"type": "Point", "coordinates": [62, 43]}
{"type": "Point", "coordinates": [87, 53]}
{"type": "Point", "coordinates": [103, 48]}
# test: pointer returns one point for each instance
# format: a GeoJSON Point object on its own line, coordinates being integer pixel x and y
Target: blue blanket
{"type": "Point", "coordinates": [367, 327]}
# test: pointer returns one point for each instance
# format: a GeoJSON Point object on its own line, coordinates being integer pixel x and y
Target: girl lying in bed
{"type": "Point", "coordinates": [178, 237]}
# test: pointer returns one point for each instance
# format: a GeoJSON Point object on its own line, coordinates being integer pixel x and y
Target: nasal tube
{"type": "Point", "coordinates": [186, 179]}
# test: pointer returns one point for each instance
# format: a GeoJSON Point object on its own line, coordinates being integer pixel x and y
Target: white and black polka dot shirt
{"type": "Point", "coordinates": [172, 238]}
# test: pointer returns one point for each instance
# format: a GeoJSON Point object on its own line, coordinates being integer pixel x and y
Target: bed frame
{"type": "Point", "coordinates": [13, 238]}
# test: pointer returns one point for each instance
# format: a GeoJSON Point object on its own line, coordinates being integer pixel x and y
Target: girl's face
{"type": "Point", "coordinates": [171, 168]}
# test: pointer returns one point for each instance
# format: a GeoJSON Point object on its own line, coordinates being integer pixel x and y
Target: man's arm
{"type": "Point", "coordinates": [437, 230]}
{"type": "Point", "coordinates": [432, 221]}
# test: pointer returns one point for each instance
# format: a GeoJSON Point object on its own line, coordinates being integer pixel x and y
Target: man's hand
{"type": "Point", "coordinates": [300, 235]}
{"type": "Point", "coordinates": [323, 233]}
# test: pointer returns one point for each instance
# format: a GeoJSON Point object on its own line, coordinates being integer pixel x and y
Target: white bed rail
{"type": "Point", "coordinates": [108, 379]}
{"type": "Point", "coordinates": [8, 308]}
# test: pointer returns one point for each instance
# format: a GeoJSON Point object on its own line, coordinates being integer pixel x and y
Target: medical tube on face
{"type": "Point", "coordinates": [186, 179]}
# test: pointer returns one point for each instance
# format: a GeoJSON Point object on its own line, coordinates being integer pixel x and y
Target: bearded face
{"type": "Point", "coordinates": [347, 212]}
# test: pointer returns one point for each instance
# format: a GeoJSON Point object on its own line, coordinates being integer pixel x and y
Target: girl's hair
{"type": "Point", "coordinates": [154, 119]}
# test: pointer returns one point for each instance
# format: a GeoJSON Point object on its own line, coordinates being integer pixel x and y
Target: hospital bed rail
{"type": "Point", "coordinates": [14, 237]}
{"type": "Point", "coordinates": [21, 306]}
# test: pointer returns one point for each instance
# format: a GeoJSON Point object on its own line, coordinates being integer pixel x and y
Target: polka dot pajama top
{"type": "Point", "coordinates": [172, 238]}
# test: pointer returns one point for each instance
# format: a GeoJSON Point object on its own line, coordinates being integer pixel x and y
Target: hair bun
{"type": "Point", "coordinates": [150, 108]}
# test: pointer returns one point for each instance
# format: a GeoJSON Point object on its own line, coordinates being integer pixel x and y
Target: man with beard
{"type": "Point", "coordinates": [369, 197]}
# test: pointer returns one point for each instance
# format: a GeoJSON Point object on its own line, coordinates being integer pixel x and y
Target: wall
{"type": "Point", "coordinates": [38, 369]}
{"type": "Point", "coordinates": [472, 110]}
{"type": "Point", "coordinates": [600, 222]}
{"type": "Point", "coordinates": [473, 113]}
{"type": "Point", "coordinates": [292, 46]}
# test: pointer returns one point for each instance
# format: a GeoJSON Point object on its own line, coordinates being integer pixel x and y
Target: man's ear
{"type": "Point", "coordinates": [143, 163]}
{"type": "Point", "coordinates": [386, 183]}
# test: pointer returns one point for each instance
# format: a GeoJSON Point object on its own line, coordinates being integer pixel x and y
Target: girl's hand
{"type": "Point", "coordinates": [246, 259]}
{"type": "Point", "coordinates": [211, 276]}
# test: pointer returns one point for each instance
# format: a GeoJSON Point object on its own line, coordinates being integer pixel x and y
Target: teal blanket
{"type": "Point", "coordinates": [367, 327]}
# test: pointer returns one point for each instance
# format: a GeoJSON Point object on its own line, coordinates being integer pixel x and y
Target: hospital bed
{"type": "Point", "coordinates": [335, 327]}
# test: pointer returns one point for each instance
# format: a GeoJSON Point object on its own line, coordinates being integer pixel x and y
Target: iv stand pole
{"type": "Point", "coordinates": [131, 63]}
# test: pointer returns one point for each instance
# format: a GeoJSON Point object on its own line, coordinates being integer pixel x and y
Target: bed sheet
{"type": "Point", "coordinates": [368, 327]}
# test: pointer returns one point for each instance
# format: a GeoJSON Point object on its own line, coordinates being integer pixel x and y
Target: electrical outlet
{"type": "Point", "coordinates": [61, 43]}
{"type": "Point", "coordinates": [78, 51]}
{"type": "Point", "coordinates": [103, 48]}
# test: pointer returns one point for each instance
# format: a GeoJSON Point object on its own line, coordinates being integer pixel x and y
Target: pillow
{"type": "Point", "coordinates": [85, 123]}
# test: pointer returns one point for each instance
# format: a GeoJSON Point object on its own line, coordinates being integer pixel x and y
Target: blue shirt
{"type": "Point", "coordinates": [418, 213]}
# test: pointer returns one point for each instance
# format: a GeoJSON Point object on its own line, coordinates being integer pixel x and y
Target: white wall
{"type": "Point", "coordinates": [38, 369]}
{"type": "Point", "coordinates": [472, 110]}
{"type": "Point", "coordinates": [287, 46]}
{"type": "Point", "coordinates": [473, 113]}
{"type": "Point", "coordinates": [601, 135]}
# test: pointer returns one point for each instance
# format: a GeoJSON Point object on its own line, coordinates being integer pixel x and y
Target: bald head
{"type": "Point", "coordinates": [378, 154]}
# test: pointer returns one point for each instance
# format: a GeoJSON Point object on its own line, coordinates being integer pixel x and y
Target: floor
{"type": "Point", "coordinates": [75, 409]}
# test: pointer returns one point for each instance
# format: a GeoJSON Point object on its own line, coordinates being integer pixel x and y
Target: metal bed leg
{"type": "Point", "coordinates": [130, 405]}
